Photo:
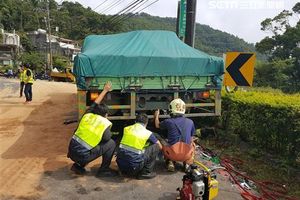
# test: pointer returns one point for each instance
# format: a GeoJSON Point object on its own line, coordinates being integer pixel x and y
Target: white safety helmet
{"type": "Point", "coordinates": [177, 106]}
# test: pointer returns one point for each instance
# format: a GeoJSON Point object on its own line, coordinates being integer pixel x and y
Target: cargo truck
{"type": "Point", "coordinates": [148, 69]}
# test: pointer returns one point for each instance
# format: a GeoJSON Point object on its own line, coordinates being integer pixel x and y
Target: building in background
{"type": "Point", "coordinates": [59, 46]}
{"type": "Point", "coordinates": [9, 48]}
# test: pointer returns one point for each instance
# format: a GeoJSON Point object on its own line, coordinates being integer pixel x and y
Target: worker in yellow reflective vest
{"type": "Point", "coordinates": [21, 76]}
{"type": "Point", "coordinates": [138, 150]}
{"type": "Point", "coordinates": [28, 81]}
{"type": "Point", "coordinates": [92, 138]}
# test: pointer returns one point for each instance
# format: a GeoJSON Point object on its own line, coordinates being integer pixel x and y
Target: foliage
{"type": "Point", "coordinates": [218, 42]}
{"type": "Point", "coordinates": [296, 8]}
{"type": "Point", "coordinates": [256, 163]}
{"type": "Point", "coordinates": [26, 42]}
{"type": "Point", "coordinates": [282, 46]}
{"type": "Point", "coordinates": [60, 62]}
{"type": "Point", "coordinates": [76, 22]}
{"type": "Point", "coordinates": [207, 39]}
{"type": "Point", "coordinates": [277, 74]}
{"type": "Point", "coordinates": [270, 120]}
{"type": "Point", "coordinates": [35, 60]}
{"type": "Point", "coordinates": [4, 69]}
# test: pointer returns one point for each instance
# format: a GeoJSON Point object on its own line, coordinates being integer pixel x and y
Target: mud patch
{"type": "Point", "coordinates": [23, 197]}
{"type": "Point", "coordinates": [81, 190]}
{"type": "Point", "coordinates": [48, 173]}
{"type": "Point", "coordinates": [97, 189]}
{"type": "Point", "coordinates": [40, 188]}
{"type": "Point", "coordinates": [34, 197]}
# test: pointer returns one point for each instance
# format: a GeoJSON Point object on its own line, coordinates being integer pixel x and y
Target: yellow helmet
{"type": "Point", "coordinates": [177, 106]}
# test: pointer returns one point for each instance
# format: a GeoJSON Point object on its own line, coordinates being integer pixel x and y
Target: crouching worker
{"type": "Point", "coordinates": [180, 130]}
{"type": "Point", "coordinates": [138, 150]}
{"type": "Point", "coordinates": [92, 138]}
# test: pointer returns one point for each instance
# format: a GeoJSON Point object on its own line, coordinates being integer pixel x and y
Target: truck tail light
{"type": "Point", "coordinates": [203, 95]}
{"type": "Point", "coordinates": [206, 94]}
{"type": "Point", "coordinates": [93, 95]}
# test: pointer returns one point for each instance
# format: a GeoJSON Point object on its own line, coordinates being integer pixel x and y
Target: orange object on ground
{"type": "Point", "coordinates": [180, 151]}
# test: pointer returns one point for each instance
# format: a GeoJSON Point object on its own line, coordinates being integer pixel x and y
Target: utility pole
{"type": "Point", "coordinates": [190, 22]}
{"type": "Point", "coordinates": [48, 25]}
{"type": "Point", "coordinates": [177, 19]}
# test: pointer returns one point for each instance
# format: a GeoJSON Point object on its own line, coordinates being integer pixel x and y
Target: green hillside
{"type": "Point", "coordinates": [76, 22]}
{"type": "Point", "coordinates": [207, 39]}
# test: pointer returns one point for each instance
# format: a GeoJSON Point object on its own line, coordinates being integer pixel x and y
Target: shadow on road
{"type": "Point", "coordinates": [44, 133]}
{"type": "Point", "coordinates": [45, 138]}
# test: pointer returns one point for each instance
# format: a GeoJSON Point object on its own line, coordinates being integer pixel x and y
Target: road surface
{"type": "Point", "coordinates": [33, 148]}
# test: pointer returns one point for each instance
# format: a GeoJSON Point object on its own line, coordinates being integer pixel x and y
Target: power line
{"type": "Point", "coordinates": [132, 11]}
{"type": "Point", "coordinates": [112, 5]}
{"type": "Point", "coordinates": [129, 10]}
{"type": "Point", "coordinates": [132, 14]}
{"type": "Point", "coordinates": [139, 6]}
{"type": "Point", "coordinates": [100, 4]}
{"type": "Point", "coordinates": [126, 8]}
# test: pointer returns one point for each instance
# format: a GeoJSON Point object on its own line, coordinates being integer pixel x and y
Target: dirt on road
{"type": "Point", "coordinates": [33, 148]}
{"type": "Point", "coordinates": [33, 138]}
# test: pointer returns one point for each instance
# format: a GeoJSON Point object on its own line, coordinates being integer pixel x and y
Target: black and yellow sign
{"type": "Point", "coordinates": [239, 69]}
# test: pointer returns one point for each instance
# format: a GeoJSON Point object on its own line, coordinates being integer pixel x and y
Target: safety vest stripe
{"type": "Point", "coordinates": [136, 136]}
{"type": "Point", "coordinates": [80, 141]}
{"type": "Point", "coordinates": [123, 146]}
{"type": "Point", "coordinates": [91, 128]}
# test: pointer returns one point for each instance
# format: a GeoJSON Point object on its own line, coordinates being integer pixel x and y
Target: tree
{"type": "Point", "coordinates": [296, 8]}
{"type": "Point", "coordinates": [36, 60]}
{"type": "Point", "coordinates": [284, 44]}
{"type": "Point", "coordinates": [25, 42]}
{"type": "Point", "coordinates": [60, 62]}
{"type": "Point", "coordinates": [275, 74]}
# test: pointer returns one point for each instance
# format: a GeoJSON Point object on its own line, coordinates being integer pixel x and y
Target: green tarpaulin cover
{"type": "Point", "coordinates": [142, 53]}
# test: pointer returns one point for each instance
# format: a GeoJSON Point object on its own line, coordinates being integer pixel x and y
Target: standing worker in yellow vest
{"type": "Point", "coordinates": [92, 138]}
{"type": "Point", "coordinates": [21, 76]}
{"type": "Point", "coordinates": [28, 81]}
{"type": "Point", "coordinates": [138, 150]}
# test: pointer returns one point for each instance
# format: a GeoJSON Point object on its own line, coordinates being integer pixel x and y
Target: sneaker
{"type": "Point", "coordinates": [78, 169]}
{"type": "Point", "coordinates": [171, 166]}
{"type": "Point", "coordinates": [106, 173]}
{"type": "Point", "coordinates": [146, 176]}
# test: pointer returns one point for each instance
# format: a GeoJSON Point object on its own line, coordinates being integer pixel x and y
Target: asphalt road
{"type": "Point", "coordinates": [33, 148]}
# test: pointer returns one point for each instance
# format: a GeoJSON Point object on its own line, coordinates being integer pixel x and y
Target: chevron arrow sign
{"type": "Point", "coordinates": [239, 69]}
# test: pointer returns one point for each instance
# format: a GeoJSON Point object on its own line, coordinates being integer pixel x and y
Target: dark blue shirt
{"type": "Point", "coordinates": [173, 125]}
